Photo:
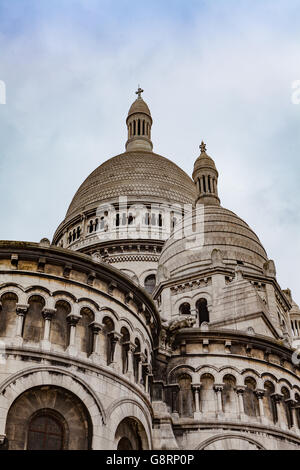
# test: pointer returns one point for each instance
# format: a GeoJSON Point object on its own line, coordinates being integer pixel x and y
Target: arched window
{"type": "Point", "coordinates": [160, 220]}
{"type": "Point", "coordinates": [124, 444]}
{"type": "Point", "coordinates": [78, 232]}
{"type": "Point", "coordinates": [91, 227]}
{"type": "Point", "coordinates": [270, 408]}
{"type": "Point", "coordinates": [108, 328]}
{"type": "Point", "coordinates": [45, 432]}
{"type": "Point", "coordinates": [74, 235]}
{"type": "Point", "coordinates": [207, 394]}
{"type": "Point", "coordinates": [8, 315]}
{"type": "Point", "coordinates": [130, 219]}
{"type": "Point", "coordinates": [251, 406]}
{"type": "Point", "coordinates": [125, 341]}
{"type": "Point", "coordinates": [185, 396]}
{"type": "Point", "coordinates": [33, 325]}
{"type": "Point", "coordinates": [139, 127]}
{"type": "Point", "coordinates": [59, 327]}
{"type": "Point", "coordinates": [124, 219]}
{"type": "Point", "coordinates": [185, 309]}
{"type": "Point", "coordinates": [117, 220]}
{"type": "Point", "coordinates": [136, 358]}
{"type": "Point", "coordinates": [202, 310]}
{"type": "Point", "coordinates": [153, 219]}
{"type": "Point", "coordinates": [143, 127]}
{"type": "Point", "coordinates": [70, 237]}
{"type": "Point", "coordinates": [147, 218]}
{"type": "Point", "coordinates": [134, 127]}
{"type": "Point", "coordinates": [297, 398]}
{"type": "Point", "coordinates": [229, 402]}
{"type": "Point", "coordinates": [287, 406]}
{"type": "Point", "coordinates": [209, 184]}
{"type": "Point", "coordinates": [84, 336]}
{"type": "Point", "coordinates": [149, 283]}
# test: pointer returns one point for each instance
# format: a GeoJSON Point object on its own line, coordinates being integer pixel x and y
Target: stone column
{"type": "Point", "coordinates": [277, 404]}
{"type": "Point", "coordinates": [147, 369]}
{"type": "Point", "coordinates": [260, 395]}
{"type": "Point", "coordinates": [240, 392]}
{"type": "Point", "coordinates": [72, 320]}
{"type": "Point", "coordinates": [96, 329]}
{"type": "Point", "coordinates": [196, 389]}
{"type": "Point", "coordinates": [218, 389]}
{"type": "Point", "coordinates": [21, 311]}
{"type": "Point", "coordinates": [294, 425]}
{"type": "Point", "coordinates": [130, 359]}
{"type": "Point", "coordinates": [48, 314]}
{"type": "Point", "coordinates": [140, 369]}
{"type": "Point", "coordinates": [115, 361]}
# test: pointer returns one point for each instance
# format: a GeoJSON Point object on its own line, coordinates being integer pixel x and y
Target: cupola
{"type": "Point", "coordinates": [205, 176]}
{"type": "Point", "coordinates": [139, 123]}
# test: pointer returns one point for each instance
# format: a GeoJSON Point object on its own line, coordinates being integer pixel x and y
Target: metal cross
{"type": "Point", "coordinates": [139, 92]}
{"type": "Point", "coordinates": [202, 147]}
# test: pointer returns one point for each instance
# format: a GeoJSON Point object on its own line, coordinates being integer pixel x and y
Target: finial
{"type": "Point", "coordinates": [202, 147]}
{"type": "Point", "coordinates": [139, 92]}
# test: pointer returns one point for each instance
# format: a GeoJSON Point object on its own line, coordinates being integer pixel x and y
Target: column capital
{"type": "Point", "coordinates": [73, 319]}
{"type": "Point", "coordinates": [2, 439]}
{"type": "Point", "coordinates": [141, 356]}
{"type": "Point", "coordinates": [96, 327]}
{"type": "Point", "coordinates": [48, 313]}
{"type": "Point", "coordinates": [115, 336]}
{"type": "Point", "coordinates": [22, 309]}
{"type": "Point", "coordinates": [218, 387]}
{"type": "Point", "coordinates": [240, 389]}
{"type": "Point", "coordinates": [260, 393]}
{"type": "Point", "coordinates": [277, 397]}
{"type": "Point", "coordinates": [131, 347]}
{"type": "Point", "coordinates": [196, 387]}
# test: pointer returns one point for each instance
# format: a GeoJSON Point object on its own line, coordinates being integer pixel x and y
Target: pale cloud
{"type": "Point", "coordinates": [218, 71]}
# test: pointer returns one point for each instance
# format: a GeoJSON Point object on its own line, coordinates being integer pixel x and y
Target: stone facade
{"type": "Point", "coordinates": [147, 325]}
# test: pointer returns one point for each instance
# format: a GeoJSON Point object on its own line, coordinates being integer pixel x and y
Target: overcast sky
{"type": "Point", "coordinates": [217, 70]}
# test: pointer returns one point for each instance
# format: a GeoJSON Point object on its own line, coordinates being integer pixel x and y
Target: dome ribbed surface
{"type": "Point", "coordinates": [139, 106]}
{"type": "Point", "coordinates": [137, 175]}
{"type": "Point", "coordinates": [222, 230]}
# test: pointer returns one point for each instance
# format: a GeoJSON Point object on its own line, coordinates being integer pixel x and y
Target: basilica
{"type": "Point", "coordinates": [152, 320]}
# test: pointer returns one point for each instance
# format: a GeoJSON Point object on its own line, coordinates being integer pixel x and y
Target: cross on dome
{"type": "Point", "coordinates": [202, 147]}
{"type": "Point", "coordinates": [139, 92]}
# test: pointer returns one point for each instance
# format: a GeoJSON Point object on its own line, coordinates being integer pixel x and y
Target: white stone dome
{"type": "Point", "coordinates": [222, 230]}
{"type": "Point", "coordinates": [141, 176]}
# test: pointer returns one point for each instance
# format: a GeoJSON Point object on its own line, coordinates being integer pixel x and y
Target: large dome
{"type": "Point", "coordinates": [220, 229]}
{"type": "Point", "coordinates": [141, 176]}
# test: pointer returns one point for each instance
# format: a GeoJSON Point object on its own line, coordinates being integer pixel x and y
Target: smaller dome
{"type": "Point", "coordinates": [204, 160]}
{"type": "Point", "coordinates": [139, 106]}
{"type": "Point", "coordinates": [190, 246]}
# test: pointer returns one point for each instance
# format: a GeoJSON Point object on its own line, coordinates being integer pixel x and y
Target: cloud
{"type": "Point", "coordinates": [219, 71]}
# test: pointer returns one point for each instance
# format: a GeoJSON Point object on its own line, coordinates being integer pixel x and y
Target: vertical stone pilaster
{"type": "Point", "coordinates": [240, 390]}
{"type": "Point", "coordinates": [218, 389]}
{"type": "Point", "coordinates": [72, 320]}
{"type": "Point", "coordinates": [260, 395]}
{"type": "Point", "coordinates": [196, 389]}
{"type": "Point", "coordinates": [21, 311]}
{"type": "Point", "coordinates": [48, 314]}
{"type": "Point", "coordinates": [96, 329]}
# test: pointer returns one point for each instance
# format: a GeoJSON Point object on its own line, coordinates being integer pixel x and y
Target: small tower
{"type": "Point", "coordinates": [139, 123]}
{"type": "Point", "coordinates": [205, 176]}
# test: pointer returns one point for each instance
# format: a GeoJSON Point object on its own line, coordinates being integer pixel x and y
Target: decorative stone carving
{"type": "Point", "coordinates": [178, 322]}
